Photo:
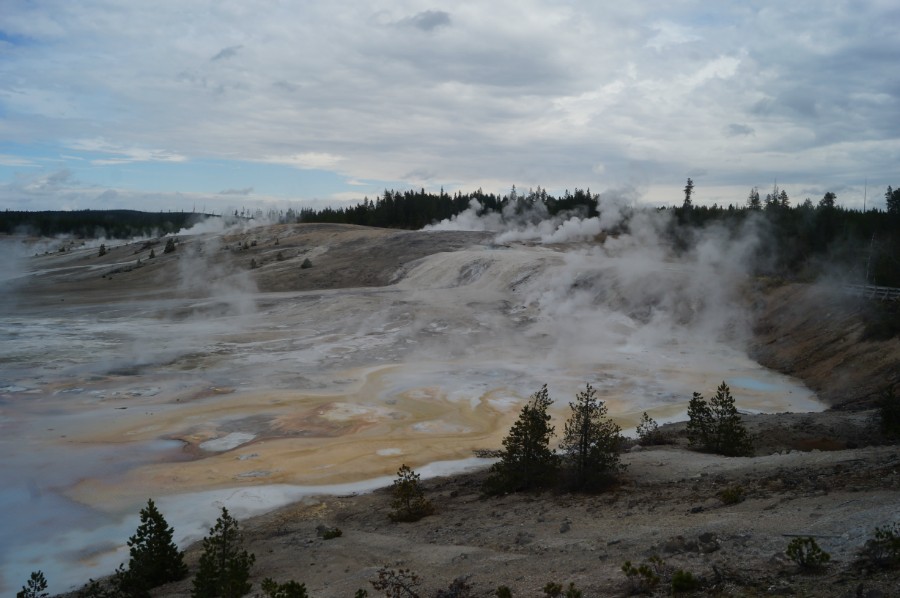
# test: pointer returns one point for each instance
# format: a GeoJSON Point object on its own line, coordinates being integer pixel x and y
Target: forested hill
{"type": "Point", "coordinates": [84, 224]}
{"type": "Point", "coordinates": [796, 241]}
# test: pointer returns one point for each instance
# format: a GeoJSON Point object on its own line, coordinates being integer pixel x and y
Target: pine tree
{"type": "Point", "coordinates": [35, 588]}
{"type": "Point", "coordinates": [717, 427]}
{"type": "Point", "coordinates": [700, 423]}
{"type": "Point", "coordinates": [409, 502]}
{"type": "Point", "coordinates": [892, 200]}
{"type": "Point", "coordinates": [753, 201]}
{"type": "Point", "coordinates": [688, 191]}
{"type": "Point", "coordinates": [527, 461]}
{"type": "Point", "coordinates": [155, 559]}
{"type": "Point", "coordinates": [224, 565]}
{"type": "Point", "coordinates": [591, 442]}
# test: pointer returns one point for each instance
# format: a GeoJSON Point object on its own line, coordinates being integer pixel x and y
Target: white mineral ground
{"type": "Point", "coordinates": [202, 391]}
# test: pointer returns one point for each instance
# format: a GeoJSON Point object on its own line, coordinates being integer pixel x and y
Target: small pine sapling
{"type": "Point", "coordinates": [648, 431]}
{"type": "Point", "coordinates": [409, 502]}
{"type": "Point", "coordinates": [35, 587]}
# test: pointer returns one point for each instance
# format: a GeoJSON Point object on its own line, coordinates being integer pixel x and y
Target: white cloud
{"type": "Point", "coordinates": [122, 154]}
{"type": "Point", "coordinates": [307, 160]}
{"type": "Point", "coordinates": [7, 160]}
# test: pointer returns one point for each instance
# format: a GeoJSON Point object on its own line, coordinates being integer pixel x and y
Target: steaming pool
{"type": "Point", "coordinates": [105, 405]}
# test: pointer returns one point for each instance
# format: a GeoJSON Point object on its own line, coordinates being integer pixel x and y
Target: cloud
{"type": "Point", "coordinates": [226, 53]}
{"type": "Point", "coordinates": [244, 191]}
{"type": "Point", "coordinates": [122, 154]}
{"type": "Point", "coordinates": [428, 20]}
{"type": "Point", "coordinates": [649, 94]}
{"type": "Point", "coordinates": [735, 130]}
{"type": "Point", "coordinates": [307, 160]}
{"type": "Point", "coordinates": [7, 160]}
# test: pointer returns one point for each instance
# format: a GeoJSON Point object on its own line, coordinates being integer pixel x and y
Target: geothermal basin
{"type": "Point", "coordinates": [201, 382]}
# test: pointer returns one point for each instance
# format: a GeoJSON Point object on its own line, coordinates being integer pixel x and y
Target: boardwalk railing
{"type": "Point", "coordinates": [872, 292]}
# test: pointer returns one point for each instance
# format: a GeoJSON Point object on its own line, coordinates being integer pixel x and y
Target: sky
{"type": "Point", "coordinates": [216, 105]}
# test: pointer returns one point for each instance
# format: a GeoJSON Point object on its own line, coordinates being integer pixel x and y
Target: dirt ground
{"type": "Point", "coordinates": [827, 475]}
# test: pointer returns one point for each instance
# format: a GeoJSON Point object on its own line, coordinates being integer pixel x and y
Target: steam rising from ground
{"type": "Point", "coordinates": [214, 393]}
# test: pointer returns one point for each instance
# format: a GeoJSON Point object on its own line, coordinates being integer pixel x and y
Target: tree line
{"type": "Point", "coordinates": [92, 224]}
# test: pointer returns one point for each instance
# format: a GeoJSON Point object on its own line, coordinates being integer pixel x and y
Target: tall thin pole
{"type": "Point", "coordinates": [865, 194]}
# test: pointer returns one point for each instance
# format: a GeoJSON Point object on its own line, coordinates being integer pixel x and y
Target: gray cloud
{"type": "Point", "coordinates": [735, 130]}
{"type": "Point", "coordinates": [428, 20]}
{"type": "Point", "coordinates": [226, 53]}
{"type": "Point", "coordinates": [244, 191]}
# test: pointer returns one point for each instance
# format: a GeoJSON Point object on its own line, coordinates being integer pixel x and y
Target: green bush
{"type": "Point", "coordinates": [732, 495]}
{"type": "Point", "coordinates": [642, 579]}
{"type": "Point", "coordinates": [503, 592]}
{"type": "Point", "coordinates": [291, 589]}
{"type": "Point", "coordinates": [889, 413]}
{"type": "Point", "coordinates": [224, 568]}
{"type": "Point", "coordinates": [805, 552]}
{"type": "Point", "coordinates": [409, 502]}
{"type": "Point", "coordinates": [716, 426]}
{"type": "Point", "coordinates": [553, 590]}
{"type": "Point", "coordinates": [332, 533]}
{"type": "Point", "coordinates": [684, 581]}
{"type": "Point", "coordinates": [883, 550]}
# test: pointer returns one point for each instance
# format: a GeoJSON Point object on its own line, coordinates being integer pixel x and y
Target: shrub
{"type": "Point", "coordinates": [306, 264]}
{"type": "Point", "coordinates": [400, 583]}
{"type": "Point", "coordinates": [553, 590]}
{"type": "Point", "coordinates": [409, 502]}
{"type": "Point", "coordinates": [716, 426]}
{"type": "Point", "coordinates": [684, 581]}
{"type": "Point", "coordinates": [224, 565]}
{"type": "Point", "coordinates": [889, 413]}
{"type": "Point", "coordinates": [102, 251]}
{"type": "Point", "coordinates": [591, 442]}
{"type": "Point", "coordinates": [35, 586]}
{"type": "Point", "coordinates": [291, 589]}
{"type": "Point", "coordinates": [332, 533]}
{"type": "Point", "coordinates": [170, 245]}
{"type": "Point", "coordinates": [806, 553]}
{"type": "Point", "coordinates": [526, 461]}
{"type": "Point", "coordinates": [642, 579]}
{"type": "Point", "coordinates": [883, 550]}
{"type": "Point", "coordinates": [732, 495]}
{"type": "Point", "coordinates": [503, 592]}
{"type": "Point", "coordinates": [648, 431]}
{"type": "Point", "coordinates": [459, 588]}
